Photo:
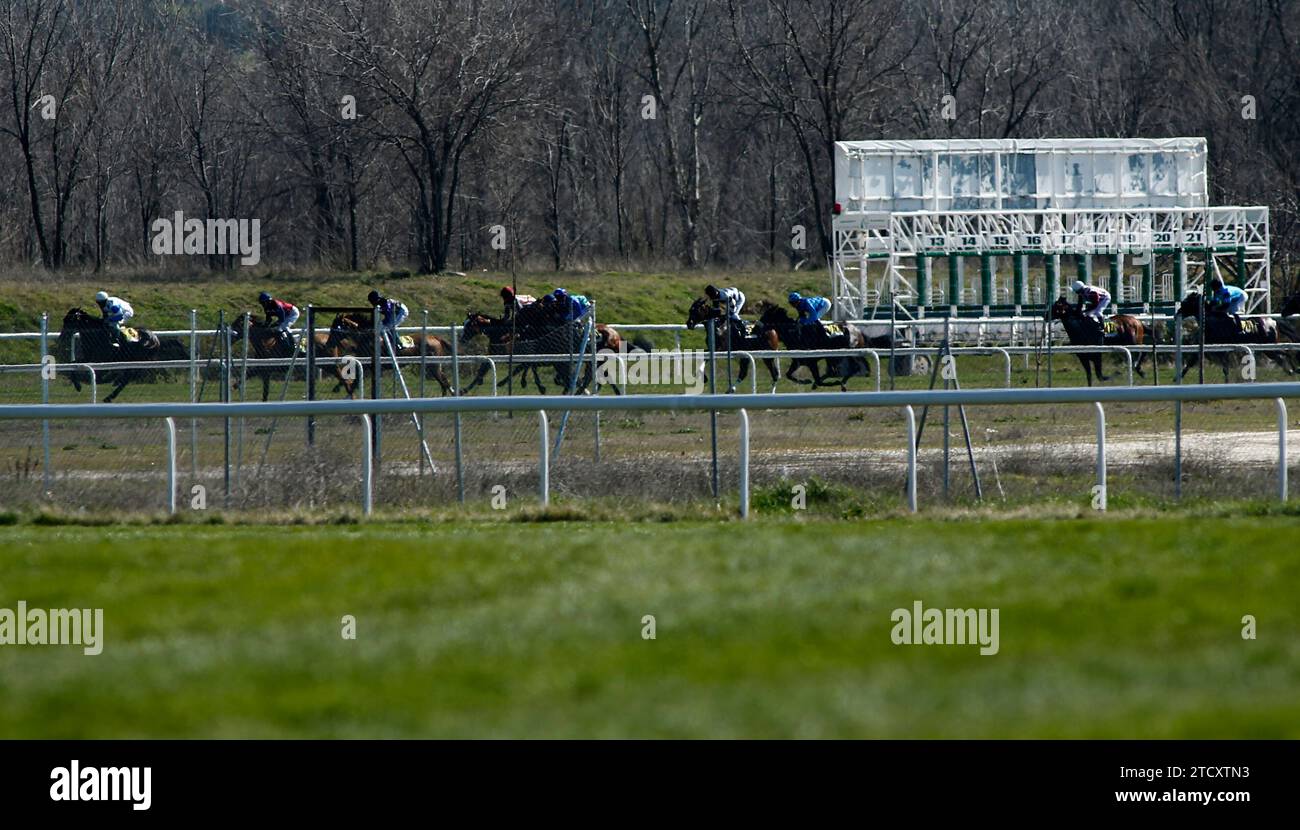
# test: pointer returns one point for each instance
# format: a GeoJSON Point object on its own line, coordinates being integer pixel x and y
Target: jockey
{"type": "Point", "coordinates": [1096, 299]}
{"type": "Point", "coordinates": [115, 311]}
{"type": "Point", "coordinates": [732, 299]}
{"type": "Point", "coordinates": [1228, 299]}
{"type": "Point", "coordinates": [810, 309]}
{"type": "Point", "coordinates": [280, 314]}
{"type": "Point", "coordinates": [514, 302]}
{"type": "Point", "coordinates": [393, 314]}
{"type": "Point", "coordinates": [572, 306]}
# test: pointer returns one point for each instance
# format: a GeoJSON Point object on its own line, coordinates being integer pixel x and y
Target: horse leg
{"type": "Point", "coordinates": [1137, 364]}
{"type": "Point", "coordinates": [789, 373]}
{"type": "Point", "coordinates": [1097, 364]}
{"type": "Point", "coordinates": [1087, 367]}
{"type": "Point", "coordinates": [118, 386]}
{"type": "Point", "coordinates": [771, 367]}
{"type": "Point", "coordinates": [266, 386]}
{"type": "Point", "coordinates": [478, 378]}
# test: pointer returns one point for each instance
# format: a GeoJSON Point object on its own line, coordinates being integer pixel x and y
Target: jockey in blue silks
{"type": "Point", "coordinates": [810, 309]}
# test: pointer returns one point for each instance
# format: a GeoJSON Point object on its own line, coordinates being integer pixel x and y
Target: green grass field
{"type": "Point", "coordinates": [1109, 627]}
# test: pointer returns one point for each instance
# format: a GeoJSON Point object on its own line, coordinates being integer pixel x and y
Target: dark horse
{"type": "Point", "coordinates": [94, 345]}
{"type": "Point", "coordinates": [1225, 328]}
{"type": "Point", "coordinates": [822, 336]}
{"type": "Point", "coordinates": [536, 330]}
{"type": "Point", "coordinates": [352, 335]}
{"type": "Point", "coordinates": [1083, 330]}
{"type": "Point", "coordinates": [745, 336]}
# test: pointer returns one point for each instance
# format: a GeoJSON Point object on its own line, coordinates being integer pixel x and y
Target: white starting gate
{"type": "Point", "coordinates": [902, 204]}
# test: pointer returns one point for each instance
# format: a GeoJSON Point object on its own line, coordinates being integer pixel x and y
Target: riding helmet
{"type": "Point", "coordinates": [507, 293]}
{"type": "Point", "coordinates": [711, 290]}
{"type": "Point", "coordinates": [101, 296]}
{"type": "Point", "coordinates": [373, 298]}
{"type": "Point", "coordinates": [1216, 283]}
{"type": "Point", "coordinates": [264, 297]}
{"type": "Point", "coordinates": [1078, 286]}
{"type": "Point", "coordinates": [795, 297]}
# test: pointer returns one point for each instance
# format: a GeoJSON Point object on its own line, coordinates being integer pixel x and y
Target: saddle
{"type": "Point", "coordinates": [1248, 327]}
{"type": "Point", "coordinates": [405, 341]}
{"type": "Point", "coordinates": [747, 328]}
{"type": "Point", "coordinates": [832, 329]}
{"type": "Point", "coordinates": [129, 334]}
{"type": "Point", "coordinates": [1109, 328]}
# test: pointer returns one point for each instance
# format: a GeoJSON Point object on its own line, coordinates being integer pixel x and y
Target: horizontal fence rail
{"type": "Point", "coordinates": [905, 401]}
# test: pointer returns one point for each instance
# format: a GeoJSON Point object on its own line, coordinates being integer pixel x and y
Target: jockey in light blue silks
{"type": "Point", "coordinates": [810, 309]}
{"type": "Point", "coordinates": [1228, 299]}
{"type": "Point", "coordinates": [115, 311]}
{"type": "Point", "coordinates": [393, 314]}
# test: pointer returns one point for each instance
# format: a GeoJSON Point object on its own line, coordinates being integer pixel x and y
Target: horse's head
{"type": "Point", "coordinates": [78, 318]}
{"type": "Point", "coordinates": [1059, 310]}
{"type": "Point", "coordinates": [1291, 305]}
{"type": "Point", "coordinates": [1191, 305]}
{"type": "Point", "coordinates": [774, 316]}
{"type": "Point", "coordinates": [238, 323]}
{"type": "Point", "coordinates": [700, 311]}
{"type": "Point", "coordinates": [475, 323]}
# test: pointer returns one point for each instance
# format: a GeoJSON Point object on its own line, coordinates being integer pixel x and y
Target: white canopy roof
{"type": "Point", "coordinates": [1005, 174]}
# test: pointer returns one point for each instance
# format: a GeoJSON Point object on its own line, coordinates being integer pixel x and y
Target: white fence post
{"type": "Point", "coordinates": [1281, 448]}
{"type": "Point", "coordinates": [544, 464]}
{"type": "Point", "coordinates": [171, 464]}
{"type": "Point", "coordinates": [910, 416]}
{"type": "Point", "coordinates": [1101, 453]}
{"type": "Point", "coordinates": [744, 463]}
{"type": "Point", "coordinates": [367, 465]}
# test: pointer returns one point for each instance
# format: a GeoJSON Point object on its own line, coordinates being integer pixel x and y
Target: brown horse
{"type": "Point", "coordinates": [352, 335]}
{"type": "Point", "coordinates": [266, 343]}
{"type": "Point", "coordinates": [745, 336]}
{"type": "Point", "coordinates": [1083, 330]}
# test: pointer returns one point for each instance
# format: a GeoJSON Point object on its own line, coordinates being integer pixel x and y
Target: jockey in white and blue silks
{"type": "Point", "coordinates": [115, 311]}
{"type": "Point", "coordinates": [392, 312]}
{"type": "Point", "coordinates": [731, 299]}
{"type": "Point", "coordinates": [1092, 299]}
{"type": "Point", "coordinates": [1226, 298]}
{"type": "Point", "coordinates": [810, 309]}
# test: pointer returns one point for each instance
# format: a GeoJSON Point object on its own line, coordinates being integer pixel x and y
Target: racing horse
{"type": "Point", "coordinates": [745, 336]}
{"type": "Point", "coordinates": [95, 345]}
{"type": "Point", "coordinates": [266, 343]}
{"type": "Point", "coordinates": [530, 329]}
{"type": "Point", "coordinates": [353, 335]}
{"type": "Point", "coordinates": [1083, 330]}
{"type": "Point", "coordinates": [1223, 328]}
{"type": "Point", "coordinates": [822, 337]}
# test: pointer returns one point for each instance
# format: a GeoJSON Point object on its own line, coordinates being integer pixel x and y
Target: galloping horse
{"type": "Point", "coordinates": [1083, 330]}
{"type": "Point", "coordinates": [820, 337]}
{"type": "Point", "coordinates": [95, 345]}
{"type": "Point", "coordinates": [266, 343]}
{"type": "Point", "coordinates": [1224, 328]}
{"type": "Point", "coordinates": [353, 335]}
{"type": "Point", "coordinates": [745, 336]}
